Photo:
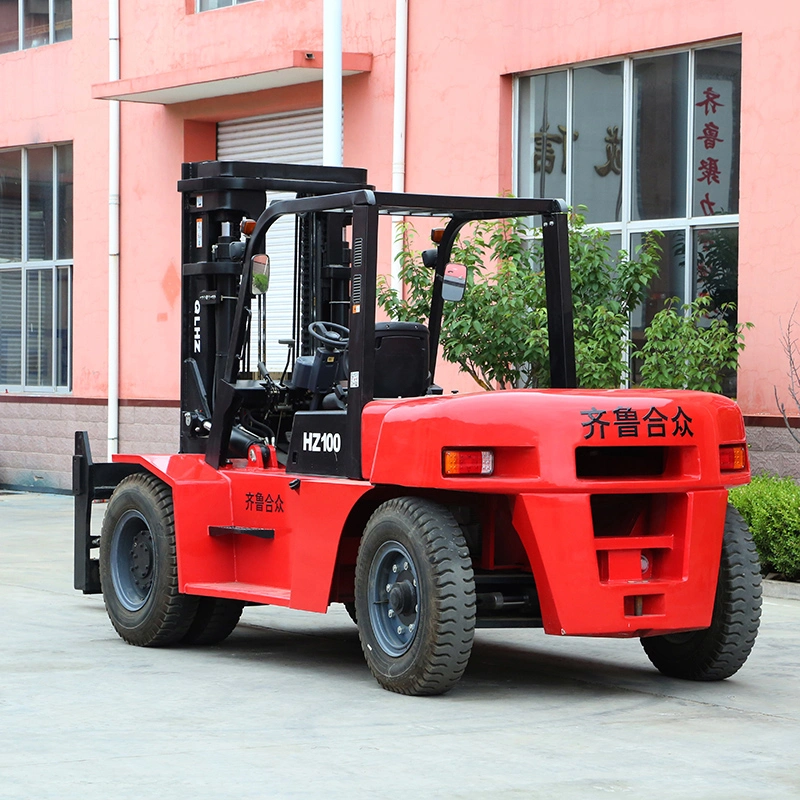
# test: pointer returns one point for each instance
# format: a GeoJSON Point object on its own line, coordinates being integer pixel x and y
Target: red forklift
{"type": "Point", "coordinates": [352, 478]}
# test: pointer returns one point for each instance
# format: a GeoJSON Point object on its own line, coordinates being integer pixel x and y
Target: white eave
{"type": "Point", "coordinates": [219, 80]}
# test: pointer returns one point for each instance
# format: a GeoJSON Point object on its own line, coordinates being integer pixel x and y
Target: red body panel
{"type": "Point", "coordinates": [618, 554]}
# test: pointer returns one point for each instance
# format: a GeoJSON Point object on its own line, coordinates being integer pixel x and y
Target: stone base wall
{"type": "Point", "coordinates": [37, 439]}
{"type": "Point", "coordinates": [773, 450]}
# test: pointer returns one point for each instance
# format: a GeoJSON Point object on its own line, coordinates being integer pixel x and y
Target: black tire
{"type": "Point", "coordinates": [139, 566]}
{"type": "Point", "coordinates": [415, 597]}
{"type": "Point", "coordinates": [214, 621]}
{"type": "Point", "coordinates": [719, 651]}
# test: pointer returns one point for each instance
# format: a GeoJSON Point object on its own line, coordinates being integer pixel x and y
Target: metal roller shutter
{"type": "Point", "coordinates": [292, 138]}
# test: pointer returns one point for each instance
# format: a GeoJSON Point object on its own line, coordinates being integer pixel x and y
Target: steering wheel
{"type": "Point", "coordinates": [330, 334]}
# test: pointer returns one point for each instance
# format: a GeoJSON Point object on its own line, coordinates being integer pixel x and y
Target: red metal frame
{"type": "Point", "coordinates": [590, 580]}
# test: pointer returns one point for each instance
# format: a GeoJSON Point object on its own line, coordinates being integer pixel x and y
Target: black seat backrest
{"type": "Point", "coordinates": [401, 359]}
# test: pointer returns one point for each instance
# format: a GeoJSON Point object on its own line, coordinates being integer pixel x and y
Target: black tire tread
{"type": "Point", "coordinates": [719, 651]}
{"type": "Point", "coordinates": [452, 597]}
{"type": "Point", "coordinates": [214, 621]}
{"type": "Point", "coordinates": [175, 612]}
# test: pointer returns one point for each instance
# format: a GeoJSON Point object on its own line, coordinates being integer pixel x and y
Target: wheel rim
{"type": "Point", "coordinates": [394, 602]}
{"type": "Point", "coordinates": [132, 560]}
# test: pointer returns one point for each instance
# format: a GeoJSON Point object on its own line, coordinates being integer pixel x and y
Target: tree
{"type": "Point", "coordinates": [498, 333]}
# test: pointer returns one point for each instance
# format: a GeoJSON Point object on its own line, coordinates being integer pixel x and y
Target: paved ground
{"type": "Point", "coordinates": [287, 708]}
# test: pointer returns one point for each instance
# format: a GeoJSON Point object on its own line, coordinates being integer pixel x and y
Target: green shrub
{"type": "Point", "coordinates": [771, 507]}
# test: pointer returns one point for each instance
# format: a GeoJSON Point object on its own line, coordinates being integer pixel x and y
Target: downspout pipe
{"type": "Point", "coordinates": [399, 128]}
{"type": "Point", "coordinates": [113, 232]}
{"type": "Point", "coordinates": [332, 132]}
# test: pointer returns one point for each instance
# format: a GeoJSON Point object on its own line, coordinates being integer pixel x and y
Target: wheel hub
{"type": "Point", "coordinates": [142, 557]}
{"type": "Point", "coordinates": [133, 560]}
{"type": "Point", "coordinates": [394, 600]}
{"type": "Point", "coordinates": [402, 597]}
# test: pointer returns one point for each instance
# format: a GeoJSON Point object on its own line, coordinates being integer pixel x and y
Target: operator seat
{"type": "Point", "coordinates": [401, 359]}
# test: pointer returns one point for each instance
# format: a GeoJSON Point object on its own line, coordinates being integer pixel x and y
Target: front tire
{"type": "Point", "coordinates": [415, 597]}
{"type": "Point", "coordinates": [139, 565]}
{"type": "Point", "coordinates": [719, 651]}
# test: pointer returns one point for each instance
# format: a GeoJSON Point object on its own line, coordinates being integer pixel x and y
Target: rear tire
{"type": "Point", "coordinates": [719, 651]}
{"type": "Point", "coordinates": [214, 622]}
{"type": "Point", "coordinates": [139, 565]}
{"type": "Point", "coordinates": [415, 597]}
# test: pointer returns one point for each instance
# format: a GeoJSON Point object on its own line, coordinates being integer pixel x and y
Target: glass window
{"type": "Point", "coordinates": [35, 281]}
{"type": "Point", "coordinates": [660, 95]}
{"type": "Point", "coordinates": [64, 154]}
{"type": "Point", "coordinates": [10, 326]}
{"type": "Point", "coordinates": [10, 206]}
{"type": "Point", "coordinates": [40, 204]}
{"type": "Point", "coordinates": [715, 133]}
{"type": "Point", "coordinates": [62, 20]}
{"type": "Point", "coordinates": [716, 260]}
{"type": "Point", "coordinates": [36, 22]}
{"type": "Point", "coordinates": [543, 135]}
{"type": "Point", "coordinates": [9, 26]}
{"type": "Point", "coordinates": [209, 5]}
{"type": "Point", "coordinates": [33, 23]}
{"type": "Point", "coordinates": [597, 147]}
{"type": "Point", "coordinates": [682, 165]}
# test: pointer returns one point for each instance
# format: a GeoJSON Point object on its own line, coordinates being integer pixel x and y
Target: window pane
{"type": "Point", "coordinates": [543, 135]}
{"type": "Point", "coordinates": [9, 26]}
{"type": "Point", "coordinates": [39, 327]}
{"type": "Point", "coordinates": [716, 267]}
{"type": "Point", "coordinates": [11, 206]}
{"type": "Point", "coordinates": [36, 22]}
{"type": "Point", "coordinates": [11, 327]}
{"type": "Point", "coordinates": [64, 154]}
{"type": "Point", "coordinates": [660, 87]}
{"type": "Point", "coordinates": [716, 131]}
{"type": "Point", "coordinates": [208, 5]}
{"type": "Point", "coordinates": [40, 204]}
{"type": "Point", "coordinates": [63, 327]}
{"type": "Point", "coordinates": [62, 12]}
{"type": "Point", "coordinates": [597, 149]}
{"type": "Point", "coordinates": [670, 281]}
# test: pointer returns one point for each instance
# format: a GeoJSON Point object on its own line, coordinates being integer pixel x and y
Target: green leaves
{"type": "Point", "coordinates": [771, 507]}
{"type": "Point", "coordinates": [498, 333]}
{"type": "Point", "coordinates": [690, 349]}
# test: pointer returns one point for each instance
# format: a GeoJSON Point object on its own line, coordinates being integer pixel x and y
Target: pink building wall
{"type": "Point", "coordinates": [462, 56]}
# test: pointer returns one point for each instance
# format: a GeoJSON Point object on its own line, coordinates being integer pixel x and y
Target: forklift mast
{"type": "Point", "coordinates": [217, 197]}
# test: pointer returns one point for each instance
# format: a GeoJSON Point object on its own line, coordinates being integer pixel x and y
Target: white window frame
{"type": "Point", "coordinates": [199, 10]}
{"type": "Point", "coordinates": [626, 228]}
{"type": "Point", "coordinates": [53, 265]}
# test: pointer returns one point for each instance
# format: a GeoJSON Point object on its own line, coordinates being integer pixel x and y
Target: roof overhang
{"type": "Point", "coordinates": [218, 80]}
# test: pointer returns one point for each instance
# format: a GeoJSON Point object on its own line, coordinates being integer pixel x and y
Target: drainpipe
{"type": "Point", "coordinates": [332, 134]}
{"type": "Point", "coordinates": [113, 233]}
{"type": "Point", "coordinates": [399, 127]}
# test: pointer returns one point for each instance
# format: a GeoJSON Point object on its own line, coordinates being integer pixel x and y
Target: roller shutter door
{"type": "Point", "coordinates": [293, 138]}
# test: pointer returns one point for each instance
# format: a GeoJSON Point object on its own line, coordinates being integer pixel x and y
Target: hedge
{"type": "Point", "coordinates": [771, 507]}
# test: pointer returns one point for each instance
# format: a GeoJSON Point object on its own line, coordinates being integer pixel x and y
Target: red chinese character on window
{"type": "Point", "coordinates": [708, 205]}
{"type": "Point", "coordinates": [710, 136]}
{"type": "Point", "coordinates": [711, 102]}
{"type": "Point", "coordinates": [709, 171]}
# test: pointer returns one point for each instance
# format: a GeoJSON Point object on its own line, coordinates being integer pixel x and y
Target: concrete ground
{"type": "Point", "coordinates": [287, 708]}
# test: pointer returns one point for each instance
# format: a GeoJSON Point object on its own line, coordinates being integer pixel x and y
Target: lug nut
{"type": "Point", "coordinates": [388, 587]}
{"type": "Point", "coordinates": [394, 567]}
{"type": "Point", "coordinates": [391, 612]}
{"type": "Point", "coordinates": [411, 628]}
{"type": "Point", "coordinates": [405, 565]}
{"type": "Point", "coordinates": [399, 628]}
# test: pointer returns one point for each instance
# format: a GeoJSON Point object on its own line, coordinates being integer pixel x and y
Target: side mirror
{"type": "Point", "coordinates": [454, 282]}
{"type": "Point", "coordinates": [260, 268]}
